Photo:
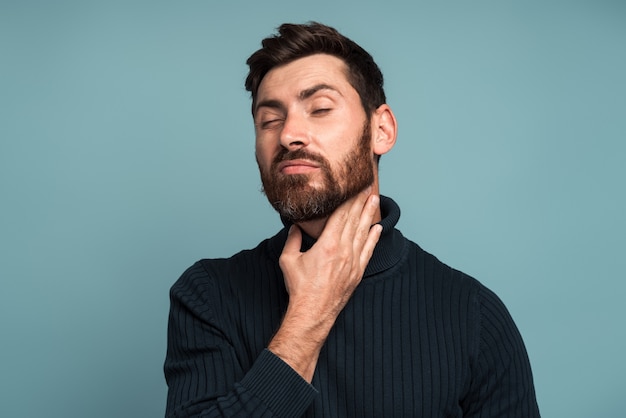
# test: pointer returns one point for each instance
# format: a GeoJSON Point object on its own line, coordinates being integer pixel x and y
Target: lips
{"type": "Point", "coordinates": [296, 166]}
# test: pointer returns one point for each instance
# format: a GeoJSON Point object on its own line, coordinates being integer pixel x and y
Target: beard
{"type": "Point", "coordinates": [295, 199]}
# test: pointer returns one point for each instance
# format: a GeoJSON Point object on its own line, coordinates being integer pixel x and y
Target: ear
{"type": "Point", "coordinates": [384, 130]}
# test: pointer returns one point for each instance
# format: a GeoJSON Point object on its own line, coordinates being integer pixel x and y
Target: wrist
{"type": "Point", "coordinates": [298, 343]}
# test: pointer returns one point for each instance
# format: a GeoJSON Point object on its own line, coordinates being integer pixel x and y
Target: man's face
{"type": "Point", "coordinates": [313, 142]}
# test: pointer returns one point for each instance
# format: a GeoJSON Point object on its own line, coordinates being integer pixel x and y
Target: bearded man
{"type": "Point", "coordinates": [338, 314]}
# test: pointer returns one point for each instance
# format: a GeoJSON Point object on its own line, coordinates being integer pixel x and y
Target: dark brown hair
{"type": "Point", "coordinates": [297, 41]}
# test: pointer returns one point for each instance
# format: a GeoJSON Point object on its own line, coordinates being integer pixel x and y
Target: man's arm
{"type": "Point", "coordinates": [321, 281]}
{"type": "Point", "coordinates": [203, 370]}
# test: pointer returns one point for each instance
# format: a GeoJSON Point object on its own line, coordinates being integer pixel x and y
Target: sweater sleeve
{"type": "Point", "coordinates": [502, 382]}
{"type": "Point", "coordinates": [204, 375]}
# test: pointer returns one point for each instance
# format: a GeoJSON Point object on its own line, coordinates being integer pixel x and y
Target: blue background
{"type": "Point", "coordinates": [126, 153]}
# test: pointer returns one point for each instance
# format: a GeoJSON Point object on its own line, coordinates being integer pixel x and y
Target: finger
{"type": "Point", "coordinates": [347, 214]}
{"type": "Point", "coordinates": [362, 219]}
{"type": "Point", "coordinates": [370, 243]}
{"type": "Point", "coordinates": [369, 211]}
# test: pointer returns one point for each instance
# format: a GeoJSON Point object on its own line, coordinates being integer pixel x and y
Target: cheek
{"type": "Point", "coordinates": [263, 155]}
{"type": "Point", "coordinates": [260, 147]}
{"type": "Point", "coordinates": [346, 142]}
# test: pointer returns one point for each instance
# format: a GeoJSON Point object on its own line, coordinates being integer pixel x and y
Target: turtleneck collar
{"type": "Point", "coordinates": [388, 250]}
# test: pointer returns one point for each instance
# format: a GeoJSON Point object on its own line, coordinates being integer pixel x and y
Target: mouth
{"type": "Point", "coordinates": [297, 167]}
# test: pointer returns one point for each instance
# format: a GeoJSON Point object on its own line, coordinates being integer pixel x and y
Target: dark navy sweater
{"type": "Point", "coordinates": [417, 339]}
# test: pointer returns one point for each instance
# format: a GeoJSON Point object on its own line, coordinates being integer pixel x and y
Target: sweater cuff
{"type": "Point", "coordinates": [279, 387]}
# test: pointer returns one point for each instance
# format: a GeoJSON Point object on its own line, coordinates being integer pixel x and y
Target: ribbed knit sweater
{"type": "Point", "coordinates": [417, 339]}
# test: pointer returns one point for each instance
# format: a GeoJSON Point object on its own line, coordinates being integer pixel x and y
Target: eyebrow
{"type": "Point", "coordinates": [274, 104]}
{"type": "Point", "coordinates": [303, 95]}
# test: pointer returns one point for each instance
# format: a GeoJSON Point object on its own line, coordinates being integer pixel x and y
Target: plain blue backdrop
{"type": "Point", "coordinates": [126, 154]}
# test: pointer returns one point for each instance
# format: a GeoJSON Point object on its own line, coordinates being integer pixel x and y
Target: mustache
{"type": "Point", "coordinates": [299, 154]}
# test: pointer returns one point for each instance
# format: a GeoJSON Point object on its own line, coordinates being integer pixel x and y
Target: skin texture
{"type": "Point", "coordinates": [309, 107]}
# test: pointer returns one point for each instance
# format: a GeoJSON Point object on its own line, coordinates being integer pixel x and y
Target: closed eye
{"type": "Point", "coordinates": [321, 111]}
{"type": "Point", "coordinates": [269, 124]}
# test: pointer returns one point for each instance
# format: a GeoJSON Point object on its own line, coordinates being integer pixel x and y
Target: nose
{"type": "Point", "coordinates": [294, 133]}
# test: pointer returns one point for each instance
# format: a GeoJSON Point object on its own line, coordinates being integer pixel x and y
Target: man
{"type": "Point", "coordinates": [338, 315]}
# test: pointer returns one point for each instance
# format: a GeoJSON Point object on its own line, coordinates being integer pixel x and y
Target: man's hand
{"type": "Point", "coordinates": [321, 281]}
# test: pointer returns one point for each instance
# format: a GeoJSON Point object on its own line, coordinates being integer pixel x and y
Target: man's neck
{"type": "Point", "coordinates": [315, 228]}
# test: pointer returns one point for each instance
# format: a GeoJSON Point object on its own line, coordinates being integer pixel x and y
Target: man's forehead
{"type": "Point", "coordinates": [304, 75]}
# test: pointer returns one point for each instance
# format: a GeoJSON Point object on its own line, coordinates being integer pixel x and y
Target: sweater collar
{"type": "Point", "coordinates": [388, 250]}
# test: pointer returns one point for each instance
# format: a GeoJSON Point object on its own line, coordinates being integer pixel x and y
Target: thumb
{"type": "Point", "coordinates": [294, 240]}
